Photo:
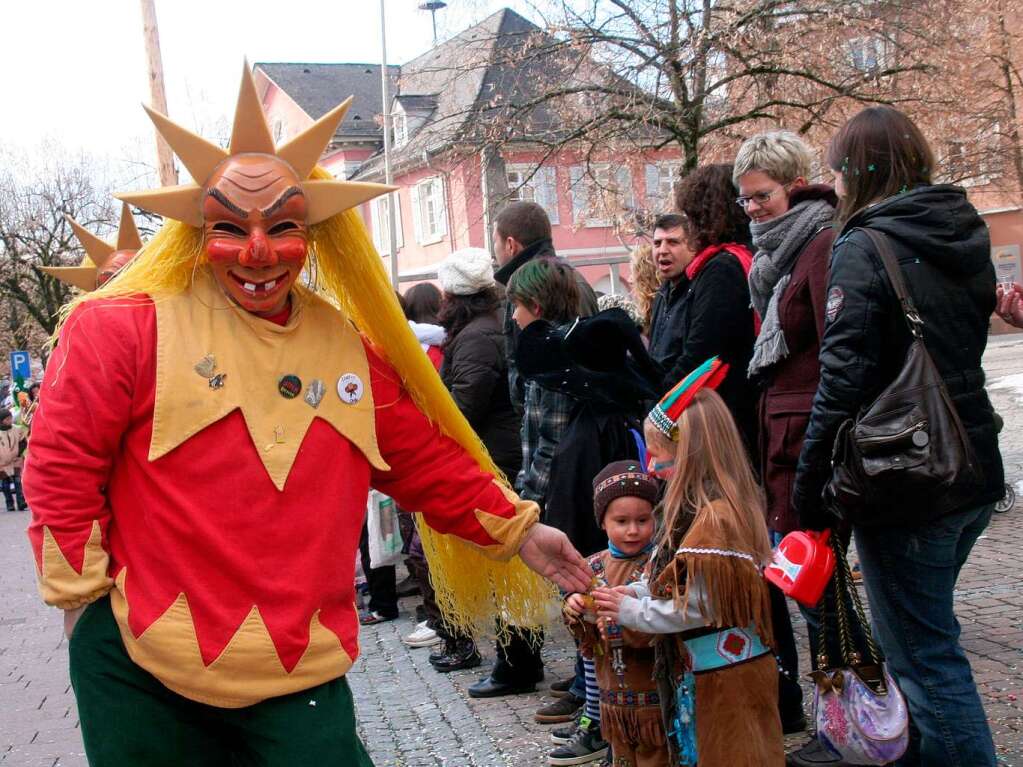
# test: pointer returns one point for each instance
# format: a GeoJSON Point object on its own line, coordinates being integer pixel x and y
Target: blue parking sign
{"type": "Point", "coordinates": [21, 367]}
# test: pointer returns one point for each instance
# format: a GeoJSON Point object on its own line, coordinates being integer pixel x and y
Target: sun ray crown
{"type": "Point", "coordinates": [251, 133]}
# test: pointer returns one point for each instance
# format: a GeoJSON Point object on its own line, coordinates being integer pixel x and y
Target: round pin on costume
{"type": "Point", "coordinates": [290, 386]}
{"type": "Point", "coordinates": [349, 388]}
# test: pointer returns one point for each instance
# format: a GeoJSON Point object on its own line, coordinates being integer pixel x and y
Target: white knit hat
{"type": "Point", "coordinates": [466, 271]}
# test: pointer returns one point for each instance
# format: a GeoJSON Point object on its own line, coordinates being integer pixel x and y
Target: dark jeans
{"type": "Point", "coordinates": [578, 688]}
{"type": "Point", "coordinates": [910, 576]}
{"type": "Point", "coordinates": [130, 719]}
{"type": "Point", "coordinates": [790, 694]}
{"type": "Point", "coordinates": [383, 596]}
{"type": "Point", "coordinates": [12, 490]}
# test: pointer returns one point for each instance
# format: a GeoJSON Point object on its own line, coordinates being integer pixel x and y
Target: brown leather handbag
{"type": "Point", "coordinates": [905, 458]}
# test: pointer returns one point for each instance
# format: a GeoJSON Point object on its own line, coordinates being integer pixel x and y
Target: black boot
{"type": "Point", "coordinates": [443, 650]}
{"type": "Point", "coordinates": [464, 655]}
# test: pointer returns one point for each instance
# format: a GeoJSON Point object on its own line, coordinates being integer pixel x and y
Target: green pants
{"type": "Point", "coordinates": [129, 719]}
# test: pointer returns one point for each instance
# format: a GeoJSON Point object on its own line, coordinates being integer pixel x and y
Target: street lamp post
{"type": "Point", "coordinates": [433, 6]}
{"type": "Point", "coordinates": [392, 240]}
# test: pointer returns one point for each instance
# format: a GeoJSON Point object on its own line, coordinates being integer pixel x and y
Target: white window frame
{"type": "Point", "coordinates": [378, 216]}
{"type": "Point", "coordinates": [429, 210]}
{"type": "Point", "coordinates": [541, 187]}
{"type": "Point", "coordinates": [658, 198]}
{"type": "Point", "coordinates": [870, 53]}
{"type": "Point", "coordinates": [591, 202]}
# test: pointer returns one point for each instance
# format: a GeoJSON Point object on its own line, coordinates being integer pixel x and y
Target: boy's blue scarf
{"type": "Point", "coordinates": [617, 553]}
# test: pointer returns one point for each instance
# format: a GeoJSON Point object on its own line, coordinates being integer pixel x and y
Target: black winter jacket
{"type": "Point", "coordinates": [694, 320]}
{"type": "Point", "coordinates": [587, 307]}
{"type": "Point", "coordinates": [475, 371]}
{"type": "Point", "coordinates": [943, 247]}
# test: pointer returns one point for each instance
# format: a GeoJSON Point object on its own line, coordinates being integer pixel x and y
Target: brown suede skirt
{"type": "Point", "coordinates": [737, 722]}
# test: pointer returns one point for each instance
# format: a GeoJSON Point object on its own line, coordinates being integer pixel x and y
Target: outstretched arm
{"type": "Point", "coordinates": [433, 474]}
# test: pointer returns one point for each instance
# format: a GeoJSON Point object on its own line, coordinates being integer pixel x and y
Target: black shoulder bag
{"type": "Point", "coordinates": [905, 458]}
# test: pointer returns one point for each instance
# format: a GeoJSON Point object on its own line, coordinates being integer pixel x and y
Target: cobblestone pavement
{"type": "Point", "coordinates": [411, 716]}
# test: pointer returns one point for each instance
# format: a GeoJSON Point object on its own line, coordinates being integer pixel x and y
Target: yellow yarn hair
{"type": "Point", "coordinates": [472, 590]}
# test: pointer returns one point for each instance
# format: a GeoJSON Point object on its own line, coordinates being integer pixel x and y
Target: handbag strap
{"type": "Point", "coordinates": [891, 265]}
{"type": "Point", "coordinates": [845, 592]}
{"type": "Point", "coordinates": [915, 323]}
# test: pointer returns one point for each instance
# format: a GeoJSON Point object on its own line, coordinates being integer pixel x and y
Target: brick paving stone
{"type": "Point", "coordinates": [410, 716]}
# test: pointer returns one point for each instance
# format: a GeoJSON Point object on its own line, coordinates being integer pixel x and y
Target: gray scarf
{"type": "Point", "coordinates": [778, 243]}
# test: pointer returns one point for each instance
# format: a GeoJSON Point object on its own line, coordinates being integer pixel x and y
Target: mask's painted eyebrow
{"type": "Point", "coordinates": [222, 198]}
{"type": "Point", "coordinates": [276, 205]}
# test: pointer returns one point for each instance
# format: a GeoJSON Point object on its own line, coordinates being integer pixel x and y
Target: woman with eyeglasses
{"type": "Point", "coordinates": [911, 553]}
{"type": "Point", "coordinates": [790, 222]}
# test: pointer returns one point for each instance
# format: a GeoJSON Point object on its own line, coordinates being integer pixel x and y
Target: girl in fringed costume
{"type": "Point", "coordinates": [623, 502]}
{"type": "Point", "coordinates": [202, 456]}
{"type": "Point", "coordinates": [716, 674]}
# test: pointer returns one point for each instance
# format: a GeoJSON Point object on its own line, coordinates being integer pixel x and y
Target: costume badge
{"type": "Point", "coordinates": [290, 386]}
{"type": "Point", "coordinates": [349, 388]}
{"type": "Point", "coordinates": [206, 366]}
{"type": "Point", "coordinates": [833, 307]}
{"type": "Point", "coordinates": [217, 381]}
{"type": "Point", "coordinates": [314, 394]}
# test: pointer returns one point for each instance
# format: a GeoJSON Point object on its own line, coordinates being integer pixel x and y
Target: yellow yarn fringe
{"type": "Point", "coordinates": [472, 590]}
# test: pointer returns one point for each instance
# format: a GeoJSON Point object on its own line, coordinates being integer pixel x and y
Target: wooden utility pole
{"type": "Point", "coordinates": [158, 97]}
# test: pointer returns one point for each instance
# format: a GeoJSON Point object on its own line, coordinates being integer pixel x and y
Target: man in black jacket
{"type": "Point", "coordinates": [522, 232]}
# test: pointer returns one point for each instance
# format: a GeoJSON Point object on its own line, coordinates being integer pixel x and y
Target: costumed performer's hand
{"type": "Point", "coordinates": [71, 618]}
{"type": "Point", "coordinates": [608, 601]}
{"type": "Point", "coordinates": [1010, 304]}
{"type": "Point", "coordinates": [548, 552]}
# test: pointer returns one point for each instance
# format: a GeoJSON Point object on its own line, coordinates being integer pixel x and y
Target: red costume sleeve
{"type": "Point", "coordinates": [85, 408]}
{"type": "Point", "coordinates": [434, 475]}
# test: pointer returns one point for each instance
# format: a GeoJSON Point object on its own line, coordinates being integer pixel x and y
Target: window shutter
{"type": "Point", "coordinates": [653, 186]}
{"type": "Point", "coordinates": [623, 181]}
{"type": "Point", "coordinates": [547, 183]}
{"type": "Point", "coordinates": [580, 194]}
{"type": "Point", "coordinates": [399, 234]}
{"type": "Point", "coordinates": [417, 213]}
{"type": "Point", "coordinates": [442, 206]}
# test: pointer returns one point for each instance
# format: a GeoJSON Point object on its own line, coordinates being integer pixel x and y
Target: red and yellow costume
{"type": "Point", "coordinates": [228, 588]}
{"type": "Point", "coordinates": [206, 461]}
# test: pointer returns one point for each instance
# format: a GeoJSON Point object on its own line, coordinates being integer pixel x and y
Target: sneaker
{"type": "Point", "coordinates": [562, 688]}
{"type": "Point", "coordinates": [561, 710]}
{"type": "Point", "coordinates": [423, 636]}
{"type": "Point", "coordinates": [586, 746]}
{"type": "Point", "coordinates": [562, 735]}
{"type": "Point", "coordinates": [463, 655]}
{"type": "Point", "coordinates": [814, 754]}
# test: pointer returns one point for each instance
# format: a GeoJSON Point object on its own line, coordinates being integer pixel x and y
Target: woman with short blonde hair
{"type": "Point", "coordinates": [781, 154]}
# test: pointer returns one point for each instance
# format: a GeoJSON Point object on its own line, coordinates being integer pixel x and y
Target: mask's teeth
{"type": "Point", "coordinates": [250, 287]}
{"type": "Point", "coordinates": [270, 285]}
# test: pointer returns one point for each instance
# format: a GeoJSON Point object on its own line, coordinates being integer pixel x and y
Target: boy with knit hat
{"type": "Point", "coordinates": [629, 706]}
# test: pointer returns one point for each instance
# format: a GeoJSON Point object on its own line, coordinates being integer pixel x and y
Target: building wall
{"type": "Point", "coordinates": [1006, 227]}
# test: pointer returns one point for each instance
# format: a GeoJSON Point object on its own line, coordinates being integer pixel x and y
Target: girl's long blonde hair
{"type": "Point", "coordinates": [345, 268]}
{"type": "Point", "coordinates": [711, 464]}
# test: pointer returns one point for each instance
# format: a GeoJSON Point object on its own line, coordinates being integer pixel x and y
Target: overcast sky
{"type": "Point", "coordinates": [74, 71]}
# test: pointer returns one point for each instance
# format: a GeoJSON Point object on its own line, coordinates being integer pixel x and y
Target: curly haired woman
{"type": "Point", "coordinates": [703, 308]}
